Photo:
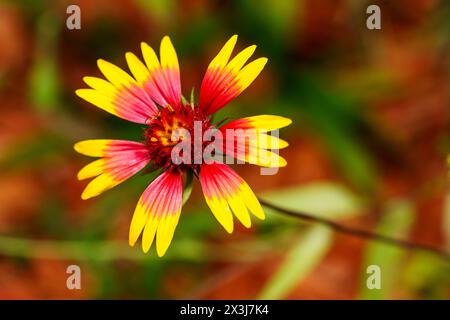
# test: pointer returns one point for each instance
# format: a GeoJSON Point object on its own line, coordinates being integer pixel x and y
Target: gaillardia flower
{"type": "Point", "coordinates": [152, 97]}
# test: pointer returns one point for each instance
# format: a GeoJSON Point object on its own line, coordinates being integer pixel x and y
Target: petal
{"type": "Point", "coordinates": [263, 122]}
{"type": "Point", "coordinates": [168, 54]}
{"type": "Point", "coordinates": [163, 81]}
{"type": "Point", "coordinates": [267, 141]}
{"type": "Point", "coordinates": [221, 60]}
{"type": "Point", "coordinates": [225, 80]}
{"type": "Point", "coordinates": [250, 72]}
{"type": "Point", "coordinates": [247, 140]}
{"type": "Point", "coordinates": [120, 94]}
{"type": "Point", "coordinates": [259, 139]}
{"type": "Point", "coordinates": [119, 78]}
{"type": "Point", "coordinates": [157, 212]}
{"type": "Point", "coordinates": [241, 58]}
{"type": "Point", "coordinates": [121, 160]}
{"type": "Point", "coordinates": [107, 147]}
{"type": "Point", "coordinates": [137, 68]}
{"type": "Point", "coordinates": [99, 185]}
{"type": "Point", "coordinates": [91, 170]}
{"type": "Point", "coordinates": [150, 57]}
{"type": "Point", "coordinates": [256, 156]}
{"type": "Point", "coordinates": [93, 148]}
{"type": "Point", "coordinates": [226, 193]}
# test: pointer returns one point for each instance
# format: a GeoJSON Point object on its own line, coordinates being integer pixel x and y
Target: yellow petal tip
{"type": "Point", "coordinates": [132, 240]}
{"type": "Point", "coordinates": [76, 147]}
{"type": "Point", "coordinates": [86, 196]}
{"type": "Point", "coordinates": [247, 225]}
{"type": "Point", "coordinates": [288, 121]}
{"type": "Point", "coordinates": [229, 229]}
{"type": "Point", "coordinates": [283, 163]}
{"type": "Point", "coordinates": [161, 251]}
{"type": "Point", "coordinates": [79, 92]}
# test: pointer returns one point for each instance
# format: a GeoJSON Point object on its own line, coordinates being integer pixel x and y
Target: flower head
{"type": "Point", "coordinates": [174, 129]}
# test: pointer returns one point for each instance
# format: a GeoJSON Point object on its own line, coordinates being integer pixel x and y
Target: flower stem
{"type": "Point", "coordinates": [358, 232]}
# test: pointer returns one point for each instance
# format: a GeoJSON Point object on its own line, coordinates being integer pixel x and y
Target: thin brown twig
{"type": "Point", "coordinates": [358, 232]}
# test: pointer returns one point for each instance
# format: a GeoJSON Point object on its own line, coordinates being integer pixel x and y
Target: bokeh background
{"type": "Point", "coordinates": [368, 149]}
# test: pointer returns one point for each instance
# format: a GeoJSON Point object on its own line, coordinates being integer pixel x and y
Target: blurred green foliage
{"type": "Point", "coordinates": [300, 260]}
{"type": "Point", "coordinates": [397, 220]}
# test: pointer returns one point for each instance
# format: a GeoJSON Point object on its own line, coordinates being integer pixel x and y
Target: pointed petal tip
{"type": "Point", "coordinates": [248, 224]}
{"type": "Point", "coordinates": [161, 251]}
{"type": "Point", "coordinates": [260, 214]}
{"type": "Point", "coordinates": [76, 146]}
{"type": "Point", "coordinates": [85, 195]}
{"type": "Point", "coordinates": [132, 239]}
{"type": "Point", "coordinates": [88, 192]}
{"type": "Point", "coordinates": [79, 92]}
{"type": "Point", "coordinates": [288, 121]}
{"type": "Point", "coordinates": [229, 228]}
{"type": "Point", "coordinates": [283, 144]}
{"type": "Point", "coordinates": [129, 55]}
{"type": "Point", "coordinates": [145, 249]}
{"type": "Point", "coordinates": [166, 41]}
{"type": "Point", "coordinates": [143, 44]}
{"type": "Point", "coordinates": [101, 62]}
{"type": "Point", "coordinates": [263, 60]}
{"type": "Point", "coordinates": [232, 41]}
{"type": "Point", "coordinates": [281, 163]}
{"type": "Point", "coordinates": [160, 255]}
{"type": "Point", "coordinates": [145, 245]}
{"type": "Point", "coordinates": [252, 48]}
{"type": "Point", "coordinates": [80, 177]}
{"type": "Point", "coordinates": [86, 79]}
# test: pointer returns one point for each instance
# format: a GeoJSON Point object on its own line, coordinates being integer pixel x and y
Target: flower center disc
{"type": "Point", "coordinates": [169, 128]}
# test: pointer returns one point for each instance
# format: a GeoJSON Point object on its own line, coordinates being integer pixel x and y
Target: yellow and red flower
{"type": "Point", "coordinates": [152, 97]}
